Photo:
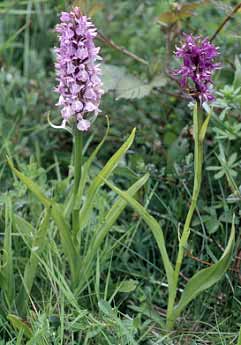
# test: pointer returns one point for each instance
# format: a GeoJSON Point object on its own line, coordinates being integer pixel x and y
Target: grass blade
{"type": "Point", "coordinates": [7, 271]}
{"type": "Point", "coordinates": [30, 271]}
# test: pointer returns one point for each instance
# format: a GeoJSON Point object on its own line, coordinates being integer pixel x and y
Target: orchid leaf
{"type": "Point", "coordinates": [207, 277]}
{"type": "Point", "coordinates": [32, 186]}
{"type": "Point", "coordinates": [103, 174]}
{"type": "Point", "coordinates": [204, 128]}
{"type": "Point", "coordinates": [154, 227]}
{"type": "Point", "coordinates": [106, 226]}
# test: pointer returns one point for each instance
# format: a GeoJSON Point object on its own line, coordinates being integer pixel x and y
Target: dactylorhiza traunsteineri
{"type": "Point", "coordinates": [78, 73]}
{"type": "Point", "coordinates": [198, 65]}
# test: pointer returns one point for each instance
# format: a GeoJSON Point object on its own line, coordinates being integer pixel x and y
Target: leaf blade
{"type": "Point", "coordinates": [32, 186]}
{"type": "Point", "coordinates": [103, 230]}
{"type": "Point", "coordinates": [103, 174]}
{"type": "Point", "coordinates": [206, 277]}
{"type": "Point", "coordinates": [155, 228]}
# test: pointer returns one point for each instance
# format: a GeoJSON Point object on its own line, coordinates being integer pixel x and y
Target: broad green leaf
{"type": "Point", "coordinates": [20, 324]}
{"type": "Point", "coordinates": [126, 85]}
{"type": "Point", "coordinates": [158, 81]}
{"type": "Point", "coordinates": [127, 286]}
{"type": "Point", "coordinates": [207, 277]}
{"type": "Point", "coordinates": [131, 87]}
{"type": "Point", "coordinates": [103, 174]}
{"type": "Point", "coordinates": [104, 228]}
{"type": "Point", "coordinates": [32, 186]}
{"type": "Point", "coordinates": [154, 227]}
{"type": "Point", "coordinates": [111, 75]}
{"type": "Point", "coordinates": [105, 308]}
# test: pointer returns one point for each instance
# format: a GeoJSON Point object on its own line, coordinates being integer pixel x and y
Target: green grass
{"type": "Point", "coordinates": [124, 299]}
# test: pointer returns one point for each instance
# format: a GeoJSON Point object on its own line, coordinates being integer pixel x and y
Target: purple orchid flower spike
{"type": "Point", "coordinates": [78, 74]}
{"type": "Point", "coordinates": [198, 56]}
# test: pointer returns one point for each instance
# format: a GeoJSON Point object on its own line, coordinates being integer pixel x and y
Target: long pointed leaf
{"type": "Point", "coordinates": [57, 214]}
{"type": "Point", "coordinates": [25, 229]}
{"type": "Point", "coordinates": [103, 174]}
{"type": "Point", "coordinates": [155, 228]}
{"type": "Point", "coordinates": [106, 226]}
{"type": "Point", "coordinates": [32, 186]}
{"type": "Point", "coordinates": [207, 277]}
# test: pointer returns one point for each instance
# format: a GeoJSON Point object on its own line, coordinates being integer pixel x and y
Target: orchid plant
{"type": "Point", "coordinates": [196, 82]}
{"type": "Point", "coordinates": [80, 90]}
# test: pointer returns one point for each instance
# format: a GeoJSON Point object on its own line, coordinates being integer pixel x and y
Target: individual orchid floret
{"type": "Point", "coordinates": [198, 65]}
{"type": "Point", "coordinates": [78, 74]}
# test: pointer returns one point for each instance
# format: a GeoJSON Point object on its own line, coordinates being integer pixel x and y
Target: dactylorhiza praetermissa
{"type": "Point", "coordinates": [78, 74]}
{"type": "Point", "coordinates": [198, 65]}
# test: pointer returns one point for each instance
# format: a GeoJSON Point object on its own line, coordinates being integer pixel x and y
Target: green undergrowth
{"type": "Point", "coordinates": [124, 300]}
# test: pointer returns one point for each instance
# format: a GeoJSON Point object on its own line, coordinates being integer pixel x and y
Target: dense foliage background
{"type": "Point", "coordinates": [139, 93]}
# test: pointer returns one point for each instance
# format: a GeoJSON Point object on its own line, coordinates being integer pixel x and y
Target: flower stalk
{"type": "Point", "coordinates": [198, 162]}
{"type": "Point", "coordinates": [78, 148]}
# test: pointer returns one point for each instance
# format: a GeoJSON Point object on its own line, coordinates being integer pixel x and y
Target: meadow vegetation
{"type": "Point", "coordinates": [91, 226]}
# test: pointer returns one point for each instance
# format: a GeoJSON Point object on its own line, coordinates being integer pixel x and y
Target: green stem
{"type": "Point", "coordinates": [198, 161]}
{"type": "Point", "coordinates": [78, 146]}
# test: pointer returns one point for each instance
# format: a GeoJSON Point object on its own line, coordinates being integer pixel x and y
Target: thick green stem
{"type": "Point", "coordinates": [78, 146]}
{"type": "Point", "coordinates": [198, 161]}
